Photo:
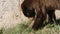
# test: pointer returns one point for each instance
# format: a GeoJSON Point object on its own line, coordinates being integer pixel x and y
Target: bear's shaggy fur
{"type": "Point", "coordinates": [39, 9]}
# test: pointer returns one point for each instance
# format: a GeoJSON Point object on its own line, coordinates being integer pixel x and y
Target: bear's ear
{"type": "Point", "coordinates": [24, 10]}
{"type": "Point", "coordinates": [23, 7]}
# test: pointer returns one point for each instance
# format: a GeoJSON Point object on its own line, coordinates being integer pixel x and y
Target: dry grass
{"type": "Point", "coordinates": [24, 29]}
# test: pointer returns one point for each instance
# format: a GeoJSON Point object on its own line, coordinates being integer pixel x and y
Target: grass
{"type": "Point", "coordinates": [24, 29]}
{"type": "Point", "coordinates": [1, 31]}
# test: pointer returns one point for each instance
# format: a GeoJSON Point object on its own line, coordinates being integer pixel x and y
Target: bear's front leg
{"type": "Point", "coordinates": [39, 19]}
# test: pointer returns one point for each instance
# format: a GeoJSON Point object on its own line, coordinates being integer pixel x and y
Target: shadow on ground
{"type": "Point", "coordinates": [58, 21]}
{"type": "Point", "coordinates": [50, 24]}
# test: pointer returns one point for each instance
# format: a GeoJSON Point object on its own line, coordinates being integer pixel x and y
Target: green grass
{"type": "Point", "coordinates": [24, 29]}
{"type": "Point", "coordinates": [1, 31]}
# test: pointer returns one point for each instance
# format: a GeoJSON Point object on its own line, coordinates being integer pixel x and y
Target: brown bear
{"type": "Point", "coordinates": [39, 9]}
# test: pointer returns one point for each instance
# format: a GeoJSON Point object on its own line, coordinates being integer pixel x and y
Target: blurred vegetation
{"type": "Point", "coordinates": [1, 31]}
{"type": "Point", "coordinates": [23, 28]}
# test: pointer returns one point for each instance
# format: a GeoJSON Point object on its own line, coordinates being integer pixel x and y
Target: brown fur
{"type": "Point", "coordinates": [39, 9]}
